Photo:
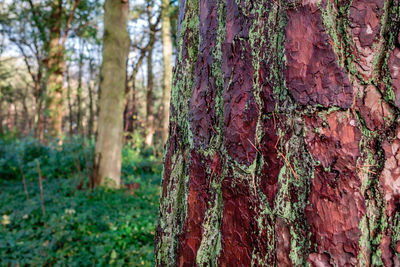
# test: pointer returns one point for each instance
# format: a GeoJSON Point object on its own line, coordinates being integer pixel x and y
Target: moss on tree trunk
{"type": "Point", "coordinates": [55, 67]}
{"type": "Point", "coordinates": [284, 135]}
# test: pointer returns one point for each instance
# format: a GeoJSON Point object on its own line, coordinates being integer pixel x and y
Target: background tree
{"type": "Point", "coordinates": [112, 98]}
{"type": "Point", "coordinates": [130, 113]}
{"type": "Point", "coordinates": [150, 105]}
{"type": "Point", "coordinates": [25, 27]}
{"type": "Point", "coordinates": [55, 62]}
{"type": "Point", "coordinates": [40, 33]}
{"type": "Point", "coordinates": [22, 28]}
{"type": "Point", "coordinates": [284, 136]}
{"type": "Point", "coordinates": [167, 60]}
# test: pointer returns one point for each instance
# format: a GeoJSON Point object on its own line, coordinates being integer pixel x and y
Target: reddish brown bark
{"type": "Point", "coordinates": [336, 204]}
{"type": "Point", "coordinates": [394, 67]}
{"type": "Point", "coordinates": [313, 75]}
{"type": "Point", "coordinates": [284, 136]}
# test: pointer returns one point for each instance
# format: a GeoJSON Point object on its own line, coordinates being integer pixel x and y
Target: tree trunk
{"type": "Point", "coordinates": [130, 108]}
{"type": "Point", "coordinates": [38, 96]}
{"type": "Point", "coordinates": [26, 122]}
{"type": "Point", "coordinates": [55, 65]}
{"type": "Point", "coordinates": [79, 93]}
{"type": "Point", "coordinates": [150, 110]}
{"type": "Point", "coordinates": [10, 117]}
{"type": "Point", "coordinates": [1, 118]}
{"type": "Point", "coordinates": [39, 120]}
{"type": "Point", "coordinates": [167, 58]}
{"type": "Point", "coordinates": [91, 84]}
{"type": "Point", "coordinates": [16, 118]}
{"type": "Point", "coordinates": [107, 163]}
{"type": "Point", "coordinates": [284, 135]}
{"type": "Point", "coordinates": [70, 111]}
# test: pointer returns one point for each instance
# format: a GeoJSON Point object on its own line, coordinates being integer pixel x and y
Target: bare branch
{"type": "Point", "coordinates": [70, 17]}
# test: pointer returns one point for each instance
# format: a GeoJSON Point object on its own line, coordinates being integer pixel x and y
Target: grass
{"type": "Point", "coordinates": [81, 227]}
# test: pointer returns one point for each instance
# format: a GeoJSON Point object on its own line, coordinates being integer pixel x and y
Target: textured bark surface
{"type": "Point", "coordinates": [284, 135]}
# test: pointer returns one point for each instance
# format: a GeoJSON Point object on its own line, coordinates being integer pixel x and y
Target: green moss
{"type": "Point", "coordinates": [335, 18]}
{"type": "Point", "coordinates": [279, 60]}
{"type": "Point", "coordinates": [173, 207]}
{"type": "Point", "coordinates": [270, 36]}
{"type": "Point", "coordinates": [174, 203]}
{"type": "Point", "coordinates": [396, 232]}
{"type": "Point", "coordinates": [390, 29]}
{"type": "Point", "coordinates": [374, 223]}
{"type": "Point", "coordinates": [336, 22]}
{"type": "Point", "coordinates": [330, 21]}
{"type": "Point", "coordinates": [285, 208]}
{"type": "Point", "coordinates": [301, 163]}
{"type": "Point", "coordinates": [210, 246]}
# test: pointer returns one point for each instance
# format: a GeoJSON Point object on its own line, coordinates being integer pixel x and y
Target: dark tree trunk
{"type": "Point", "coordinates": [130, 91]}
{"type": "Point", "coordinates": [26, 123]}
{"type": "Point", "coordinates": [16, 117]}
{"type": "Point", "coordinates": [1, 118]}
{"type": "Point", "coordinates": [150, 108]}
{"type": "Point", "coordinates": [70, 111]}
{"type": "Point", "coordinates": [38, 87]}
{"type": "Point", "coordinates": [40, 120]}
{"type": "Point", "coordinates": [91, 84]}
{"type": "Point", "coordinates": [79, 114]}
{"type": "Point", "coordinates": [284, 135]}
{"type": "Point", "coordinates": [130, 109]}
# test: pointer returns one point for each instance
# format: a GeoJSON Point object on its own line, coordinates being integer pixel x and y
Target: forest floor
{"type": "Point", "coordinates": [98, 227]}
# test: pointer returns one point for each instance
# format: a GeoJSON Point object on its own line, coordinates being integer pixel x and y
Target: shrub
{"type": "Point", "coordinates": [74, 157]}
{"type": "Point", "coordinates": [80, 228]}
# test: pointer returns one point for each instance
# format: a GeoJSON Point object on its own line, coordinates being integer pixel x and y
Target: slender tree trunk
{"type": "Point", "coordinates": [284, 136]}
{"type": "Point", "coordinates": [1, 118]}
{"type": "Point", "coordinates": [70, 111]}
{"type": "Point", "coordinates": [10, 117]}
{"type": "Point", "coordinates": [26, 122]}
{"type": "Point", "coordinates": [79, 94]}
{"type": "Point", "coordinates": [91, 105]}
{"type": "Point", "coordinates": [38, 95]}
{"type": "Point", "coordinates": [150, 109]}
{"type": "Point", "coordinates": [16, 118]}
{"type": "Point", "coordinates": [112, 99]}
{"type": "Point", "coordinates": [130, 108]}
{"type": "Point", "coordinates": [167, 58]}
{"type": "Point", "coordinates": [40, 120]}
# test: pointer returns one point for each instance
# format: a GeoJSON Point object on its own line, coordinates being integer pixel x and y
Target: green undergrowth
{"type": "Point", "coordinates": [73, 157]}
{"type": "Point", "coordinates": [98, 227]}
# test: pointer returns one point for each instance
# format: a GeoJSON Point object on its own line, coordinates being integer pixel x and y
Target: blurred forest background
{"type": "Point", "coordinates": [51, 56]}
